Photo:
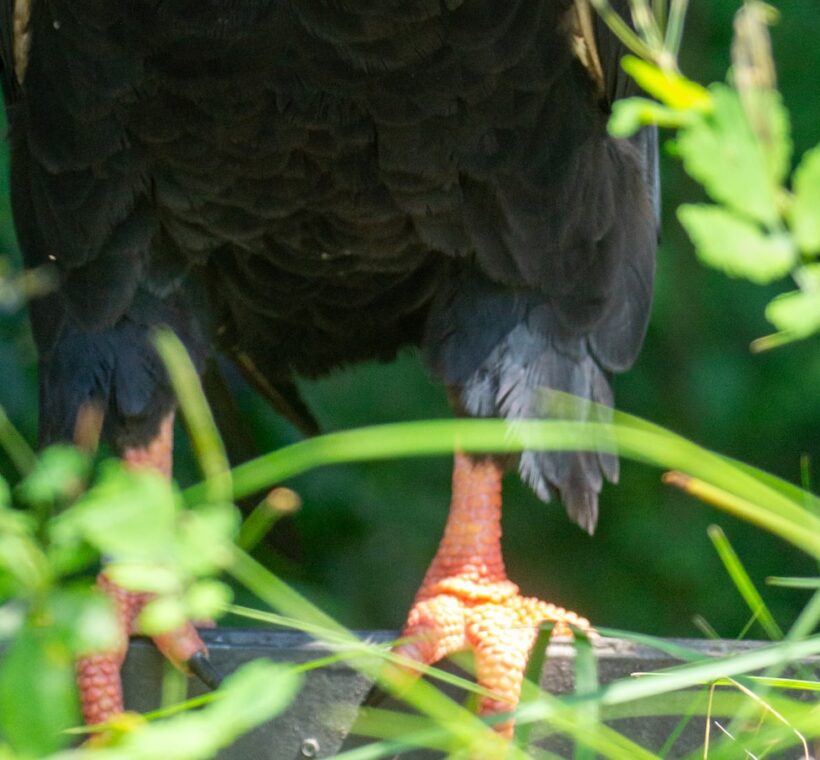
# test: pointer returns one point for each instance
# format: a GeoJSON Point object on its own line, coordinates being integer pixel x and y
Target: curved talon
{"type": "Point", "coordinates": [375, 696]}
{"type": "Point", "coordinates": [201, 666]}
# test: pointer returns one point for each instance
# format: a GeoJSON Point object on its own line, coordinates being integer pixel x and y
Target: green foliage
{"type": "Point", "coordinates": [252, 695]}
{"type": "Point", "coordinates": [726, 240]}
{"type": "Point", "coordinates": [736, 142]}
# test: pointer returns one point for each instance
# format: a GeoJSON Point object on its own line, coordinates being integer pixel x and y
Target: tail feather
{"type": "Point", "coordinates": [531, 354]}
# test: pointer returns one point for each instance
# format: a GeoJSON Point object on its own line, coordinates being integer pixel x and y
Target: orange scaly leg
{"type": "Point", "coordinates": [466, 600]}
{"type": "Point", "coordinates": [98, 675]}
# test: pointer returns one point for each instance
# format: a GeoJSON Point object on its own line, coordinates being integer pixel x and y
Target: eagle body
{"type": "Point", "coordinates": [308, 183]}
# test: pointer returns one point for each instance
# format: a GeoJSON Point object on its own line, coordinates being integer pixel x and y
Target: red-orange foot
{"type": "Point", "coordinates": [98, 675]}
{"type": "Point", "coordinates": [467, 602]}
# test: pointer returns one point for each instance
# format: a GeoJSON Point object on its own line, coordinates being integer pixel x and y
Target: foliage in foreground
{"type": "Point", "coordinates": [735, 140]}
{"type": "Point", "coordinates": [66, 512]}
{"type": "Point", "coordinates": [174, 544]}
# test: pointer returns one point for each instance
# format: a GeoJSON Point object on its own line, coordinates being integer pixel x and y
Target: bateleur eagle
{"type": "Point", "coordinates": [302, 184]}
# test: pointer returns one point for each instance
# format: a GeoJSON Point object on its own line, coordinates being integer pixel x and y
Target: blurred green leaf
{"type": "Point", "coordinates": [160, 615]}
{"type": "Point", "coordinates": [252, 695]}
{"type": "Point", "coordinates": [740, 248]}
{"type": "Point", "coordinates": [206, 537]}
{"type": "Point", "coordinates": [721, 151]}
{"type": "Point", "coordinates": [150, 577]}
{"type": "Point", "coordinates": [805, 210]}
{"type": "Point", "coordinates": [773, 131]}
{"type": "Point", "coordinates": [630, 114]}
{"type": "Point", "coordinates": [796, 313]}
{"type": "Point", "coordinates": [207, 598]}
{"type": "Point", "coordinates": [23, 566]}
{"type": "Point", "coordinates": [125, 514]}
{"type": "Point", "coordinates": [84, 619]}
{"type": "Point", "coordinates": [59, 474]}
{"type": "Point", "coordinates": [37, 694]}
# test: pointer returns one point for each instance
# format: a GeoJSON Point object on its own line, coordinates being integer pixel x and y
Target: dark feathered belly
{"type": "Point", "coordinates": [278, 166]}
{"type": "Point", "coordinates": [320, 164]}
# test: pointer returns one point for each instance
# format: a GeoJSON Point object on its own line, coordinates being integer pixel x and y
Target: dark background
{"type": "Point", "coordinates": [362, 541]}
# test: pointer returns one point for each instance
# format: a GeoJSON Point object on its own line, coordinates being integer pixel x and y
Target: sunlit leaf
{"type": "Point", "coordinates": [796, 313]}
{"type": "Point", "coordinates": [60, 473]}
{"type": "Point", "coordinates": [161, 615]}
{"type": "Point", "coordinates": [125, 514]}
{"type": "Point", "coordinates": [740, 248]}
{"type": "Point", "coordinates": [771, 123]}
{"type": "Point", "coordinates": [37, 694]}
{"type": "Point", "coordinates": [84, 618]}
{"type": "Point", "coordinates": [206, 535]}
{"type": "Point", "coordinates": [206, 599]}
{"type": "Point", "coordinates": [150, 577]}
{"type": "Point", "coordinates": [672, 89]}
{"type": "Point", "coordinates": [252, 695]}
{"type": "Point", "coordinates": [23, 566]}
{"type": "Point", "coordinates": [721, 151]}
{"type": "Point", "coordinates": [630, 114]}
{"type": "Point", "coordinates": [805, 211]}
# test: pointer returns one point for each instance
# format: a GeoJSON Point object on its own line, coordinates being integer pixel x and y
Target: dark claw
{"type": "Point", "coordinates": [374, 697]}
{"type": "Point", "coordinates": [200, 665]}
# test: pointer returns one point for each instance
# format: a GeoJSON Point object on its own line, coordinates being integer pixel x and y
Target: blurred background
{"type": "Point", "coordinates": [363, 538]}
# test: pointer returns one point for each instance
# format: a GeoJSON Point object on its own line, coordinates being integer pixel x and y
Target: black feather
{"type": "Point", "coordinates": [311, 184]}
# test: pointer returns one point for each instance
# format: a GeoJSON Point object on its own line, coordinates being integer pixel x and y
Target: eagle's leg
{"type": "Point", "coordinates": [98, 675]}
{"type": "Point", "coordinates": [466, 600]}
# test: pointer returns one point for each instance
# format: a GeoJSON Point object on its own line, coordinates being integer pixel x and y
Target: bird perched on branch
{"type": "Point", "coordinates": [302, 184]}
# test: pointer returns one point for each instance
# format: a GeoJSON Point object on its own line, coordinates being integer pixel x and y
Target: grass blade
{"type": "Point", "coordinates": [277, 504]}
{"type": "Point", "coordinates": [532, 678]}
{"type": "Point", "coordinates": [207, 444]}
{"type": "Point", "coordinates": [586, 682]}
{"type": "Point", "coordinates": [15, 446]}
{"type": "Point", "coordinates": [754, 499]}
{"type": "Point", "coordinates": [801, 583]}
{"type": "Point", "coordinates": [743, 583]}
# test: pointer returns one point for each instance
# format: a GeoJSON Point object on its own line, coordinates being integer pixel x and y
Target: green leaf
{"type": "Point", "coordinates": [252, 695]}
{"type": "Point", "coordinates": [773, 129]}
{"type": "Point", "coordinates": [804, 215]}
{"type": "Point", "coordinates": [23, 566]}
{"type": "Point", "coordinates": [740, 248]}
{"type": "Point", "coordinates": [59, 474]}
{"type": "Point", "coordinates": [206, 537]}
{"type": "Point", "coordinates": [207, 599]}
{"type": "Point", "coordinates": [161, 615]}
{"type": "Point", "coordinates": [721, 151]}
{"type": "Point", "coordinates": [144, 576]}
{"type": "Point", "coordinates": [37, 695]}
{"type": "Point", "coordinates": [796, 313]}
{"type": "Point", "coordinates": [630, 114]}
{"type": "Point", "coordinates": [125, 514]}
{"type": "Point", "coordinates": [84, 619]}
{"type": "Point", "coordinates": [669, 87]}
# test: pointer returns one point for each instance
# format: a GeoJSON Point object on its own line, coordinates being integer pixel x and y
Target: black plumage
{"type": "Point", "coordinates": [308, 183]}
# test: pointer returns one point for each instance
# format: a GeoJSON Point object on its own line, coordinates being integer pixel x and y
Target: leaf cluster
{"type": "Point", "coordinates": [735, 140]}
